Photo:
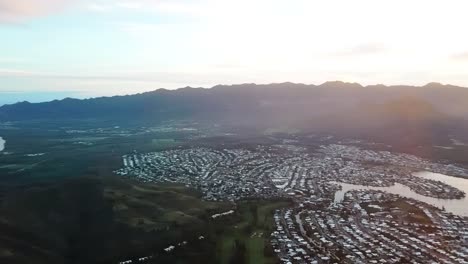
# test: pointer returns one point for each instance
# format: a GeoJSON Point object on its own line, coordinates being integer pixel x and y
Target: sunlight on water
{"type": "Point", "coordinates": [2, 144]}
{"type": "Point", "coordinates": [455, 206]}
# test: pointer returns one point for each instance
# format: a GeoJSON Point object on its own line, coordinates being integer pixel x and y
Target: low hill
{"type": "Point", "coordinates": [91, 220]}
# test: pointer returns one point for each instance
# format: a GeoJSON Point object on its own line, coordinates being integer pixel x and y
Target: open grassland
{"type": "Point", "coordinates": [154, 207]}
{"type": "Point", "coordinates": [247, 240]}
{"type": "Point", "coordinates": [88, 220]}
{"type": "Point", "coordinates": [34, 154]}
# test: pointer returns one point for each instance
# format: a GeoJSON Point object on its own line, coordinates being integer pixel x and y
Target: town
{"type": "Point", "coordinates": [366, 226]}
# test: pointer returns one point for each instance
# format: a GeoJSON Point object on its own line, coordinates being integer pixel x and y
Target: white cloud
{"type": "Point", "coordinates": [181, 7]}
{"type": "Point", "coordinates": [362, 49]}
{"type": "Point", "coordinates": [462, 56]}
{"type": "Point", "coordinates": [311, 41]}
{"type": "Point", "coordinates": [17, 73]}
{"type": "Point", "coordinates": [98, 7]}
{"type": "Point", "coordinates": [130, 4]}
{"type": "Point", "coordinates": [11, 60]}
{"type": "Point", "coordinates": [18, 11]}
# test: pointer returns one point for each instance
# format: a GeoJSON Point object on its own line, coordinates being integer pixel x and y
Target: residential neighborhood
{"type": "Point", "coordinates": [327, 225]}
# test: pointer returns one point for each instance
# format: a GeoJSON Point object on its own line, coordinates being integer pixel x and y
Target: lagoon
{"type": "Point", "coordinates": [455, 206]}
{"type": "Point", "coordinates": [2, 144]}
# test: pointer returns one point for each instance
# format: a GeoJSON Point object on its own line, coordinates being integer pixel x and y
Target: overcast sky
{"type": "Point", "coordinates": [81, 48]}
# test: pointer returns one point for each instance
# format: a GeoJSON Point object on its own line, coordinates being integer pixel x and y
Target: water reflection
{"type": "Point", "coordinates": [455, 206]}
{"type": "Point", "coordinates": [2, 144]}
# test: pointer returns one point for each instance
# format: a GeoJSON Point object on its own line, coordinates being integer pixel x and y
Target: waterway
{"type": "Point", "coordinates": [455, 206]}
{"type": "Point", "coordinates": [2, 144]}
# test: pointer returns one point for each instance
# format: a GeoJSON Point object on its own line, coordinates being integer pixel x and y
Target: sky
{"type": "Point", "coordinates": [85, 48]}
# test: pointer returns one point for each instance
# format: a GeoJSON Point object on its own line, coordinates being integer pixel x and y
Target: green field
{"type": "Point", "coordinates": [252, 231]}
{"type": "Point", "coordinates": [157, 206]}
{"type": "Point", "coordinates": [111, 219]}
{"type": "Point", "coordinates": [164, 142]}
{"type": "Point", "coordinates": [68, 200]}
{"type": "Point", "coordinates": [80, 149]}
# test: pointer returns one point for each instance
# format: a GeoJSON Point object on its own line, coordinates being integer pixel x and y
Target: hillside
{"type": "Point", "coordinates": [329, 96]}
{"type": "Point", "coordinates": [91, 220]}
{"type": "Point", "coordinates": [348, 108]}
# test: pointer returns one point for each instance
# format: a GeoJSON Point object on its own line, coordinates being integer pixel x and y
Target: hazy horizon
{"type": "Point", "coordinates": [11, 97]}
{"type": "Point", "coordinates": [89, 48]}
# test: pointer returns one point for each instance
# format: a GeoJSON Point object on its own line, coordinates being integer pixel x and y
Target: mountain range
{"type": "Point", "coordinates": [349, 108]}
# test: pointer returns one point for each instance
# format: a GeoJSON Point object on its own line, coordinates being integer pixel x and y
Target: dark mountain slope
{"type": "Point", "coordinates": [332, 105]}
{"type": "Point", "coordinates": [450, 99]}
{"type": "Point", "coordinates": [406, 121]}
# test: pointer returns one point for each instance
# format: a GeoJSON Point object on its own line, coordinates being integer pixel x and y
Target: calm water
{"type": "Point", "coordinates": [455, 206]}
{"type": "Point", "coordinates": [2, 144]}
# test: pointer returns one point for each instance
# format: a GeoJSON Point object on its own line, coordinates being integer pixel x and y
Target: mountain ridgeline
{"type": "Point", "coordinates": [349, 108]}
